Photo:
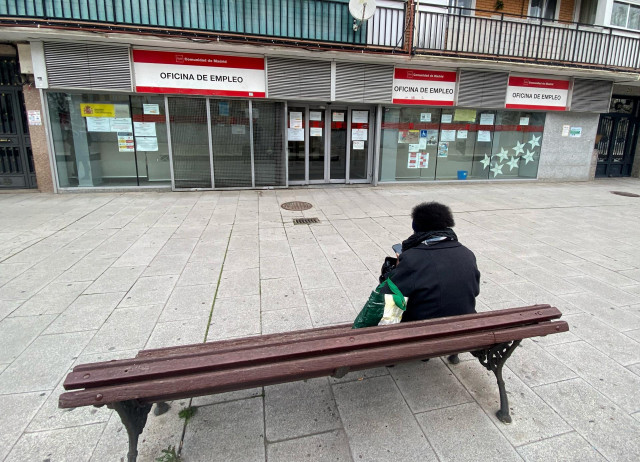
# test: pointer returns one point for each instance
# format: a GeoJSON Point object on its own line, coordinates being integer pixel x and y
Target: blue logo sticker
{"type": "Point", "coordinates": [423, 133]}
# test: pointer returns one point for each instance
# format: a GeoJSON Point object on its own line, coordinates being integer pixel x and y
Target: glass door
{"type": "Point", "coordinates": [359, 147]}
{"type": "Point", "coordinates": [338, 146]}
{"type": "Point", "coordinates": [317, 145]}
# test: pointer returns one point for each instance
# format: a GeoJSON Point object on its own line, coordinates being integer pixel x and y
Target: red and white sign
{"type": "Point", "coordinates": [198, 74]}
{"type": "Point", "coordinates": [424, 87]}
{"type": "Point", "coordinates": [537, 93]}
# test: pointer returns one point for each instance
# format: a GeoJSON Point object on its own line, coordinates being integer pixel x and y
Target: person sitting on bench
{"type": "Point", "coordinates": [437, 273]}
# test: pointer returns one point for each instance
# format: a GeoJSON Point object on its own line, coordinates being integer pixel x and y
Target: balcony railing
{"type": "Point", "coordinates": [317, 21]}
{"type": "Point", "coordinates": [483, 34]}
{"type": "Point", "coordinates": [432, 30]}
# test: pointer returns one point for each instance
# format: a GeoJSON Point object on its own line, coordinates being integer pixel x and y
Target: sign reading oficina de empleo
{"type": "Point", "coordinates": [424, 87]}
{"type": "Point", "coordinates": [530, 92]}
{"type": "Point", "coordinates": [198, 74]}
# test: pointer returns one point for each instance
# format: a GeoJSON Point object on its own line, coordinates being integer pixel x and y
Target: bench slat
{"type": "Point", "coordinates": [112, 373]}
{"type": "Point", "coordinates": [269, 374]}
{"type": "Point", "coordinates": [288, 337]}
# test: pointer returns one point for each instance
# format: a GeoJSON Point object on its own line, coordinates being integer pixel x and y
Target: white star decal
{"type": "Point", "coordinates": [519, 149]}
{"type": "Point", "coordinates": [528, 157]}
{"type": "Point", "coordinates": [486, 161]}
{"type": "Point", "coordinates": [534, 141]}
{"type": "Point", "coordinates": [503, 155]}
{"type": "Point", "coordinates": [496, 169]}
{"type": "Point", "coordinates": [513, 163]}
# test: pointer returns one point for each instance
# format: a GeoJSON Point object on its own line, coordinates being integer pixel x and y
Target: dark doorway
{"type": "Point", "coordinates": [16, 159]}
{"type": "Point", "coordinates": [617, 137]}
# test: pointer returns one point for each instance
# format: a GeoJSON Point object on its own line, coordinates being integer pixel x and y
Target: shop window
{"type": "Point", "coordinates": [448, 144]}
{"type": "Point", "coordinates": [516, 145]}
{"type": "Point", "coordinates": [409, 143]}
{"type": "Point", "coordinates": [295, 143]}
{"type": "Point", "coordinates": [94, 140]}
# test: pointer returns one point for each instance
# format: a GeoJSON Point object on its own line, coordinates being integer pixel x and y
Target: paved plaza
{"type": "Point", "coordinates": [92, 277]}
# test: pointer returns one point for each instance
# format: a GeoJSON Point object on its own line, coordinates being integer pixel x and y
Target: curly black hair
{"type": "Point", "coordinates": [432, 216]}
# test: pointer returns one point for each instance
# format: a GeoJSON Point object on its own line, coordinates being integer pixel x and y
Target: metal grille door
{"type": "Point", "coordinates": [615, 142]}
{"type": "Point", "coordinates": [190, 142]}
{"type": "Point", "coordinates": [16, 159]}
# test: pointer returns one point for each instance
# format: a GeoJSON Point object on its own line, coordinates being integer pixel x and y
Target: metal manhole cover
{"type": "Point", "coordinates": [296, 205]}
{"type": "Point", "coordinates": [305, 221]}
{"type": "Point", "coordinates": [624, 193]}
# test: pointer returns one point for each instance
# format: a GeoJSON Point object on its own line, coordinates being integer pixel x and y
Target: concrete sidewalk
{"type": "Point", "coordinates": [92, 277]}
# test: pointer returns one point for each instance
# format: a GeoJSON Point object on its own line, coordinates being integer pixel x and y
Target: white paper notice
{"type": "Point", "coordinates": [524, 120]}
{"type": "Point", "coordinates": [423, 162]}
{"type": "Point", "coordinates": [338, 117]}
{"type": "Point", "coordinates": [238, 129]}
{"type": "Point", "coordinates": [484, 135]}
{"type": "Point", "coordinates": [145, 128]}
{"type": "Point", "coordinates": [34, 117]}
{"type": "Point", "coordinates": [414, 147]}
{"type": "Point", "coordinates": [565, 130]}
{"type": "Point", "coordinates": [448, 135]}
{"type": "Point", "coordinates": [358, 145]}
{"type": "Point", "coordinates": [446, 118]}
{"type": "Point", "coordinates": [125, 142]}
{"type": "Point", "coordinates": [359, 134]}
{"type": "Point", "coordinates": [425, 117]}
{"type": "Point", "coordinates": [295, 120]}
{"type": "Point", "coordinates": [151, 109]}
{"type": "Point", "coordinates": [423, 144]}
{"type": "Point", "coordinates": [295, 134]}
{"type": "Point", "coordinates": [315, 131]}
{"type": "Point", "coordinates": [146, 143]}
{"type": "Point", "coordinates": [315, 115]}
{"type": "Point", "coordinates": [462, 134]}
{"type": "Point", "coordinates": [413, 160]}
{"type": "Point", "coordinates": [121, 124]}
{"type": "Point", "coordinates": [486, 119]}
{"type": "Point", "coordinates": [360, 117]}
{"type": "Point", "coordinates": [98, 124]}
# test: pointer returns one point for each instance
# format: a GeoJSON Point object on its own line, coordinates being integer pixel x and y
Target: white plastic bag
{"type": "Point", "coordinates": [392, 312]}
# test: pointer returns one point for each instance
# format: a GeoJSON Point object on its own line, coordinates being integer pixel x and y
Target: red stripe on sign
{"type": "Point", "coordinates": [423, 102]}
{"type": "Point", "coordinates": [531, 106]}
{"type": "Point", "coordinates": [420, 74]}
{"type": "Point", "coordinates": [197, 59]}
{"type": "Point", "coordinates": [195, 91]}
{"type": "Point", "coordinates": [538, 83]}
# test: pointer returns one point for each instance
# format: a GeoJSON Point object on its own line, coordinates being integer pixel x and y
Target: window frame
{"type": "Point", "coordinates": [556, 13]}
{"type": "Point", "coordinates": [629, 5]}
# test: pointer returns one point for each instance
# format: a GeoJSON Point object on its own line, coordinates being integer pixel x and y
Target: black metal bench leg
{"type": "Point", "coordinates": [493, 359]}
{"type": "Point", "coordinates": [133, 415]}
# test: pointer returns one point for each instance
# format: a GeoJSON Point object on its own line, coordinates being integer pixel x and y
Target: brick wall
{"type": "Point", "coordinates": [517, 7]}
{"type": "Point", "coordinates": [566, 10]}
{"type": "Point", "coordinates": [521, 7]}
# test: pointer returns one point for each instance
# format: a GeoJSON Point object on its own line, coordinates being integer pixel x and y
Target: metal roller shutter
{"type": "Point", "coordinates": [482, 89]}
{"type": "Point", "coordinates": [89, 66]}
{"type": "Point", "coordinates": [591, 95]}
{"type": "Point", "coordinates": [299, 79]}
{"type": "Point", "coordinates": [363, 83]}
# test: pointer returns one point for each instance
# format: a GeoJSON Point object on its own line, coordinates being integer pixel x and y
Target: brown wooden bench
{"type": "Point", "coordinates": [131, 386]}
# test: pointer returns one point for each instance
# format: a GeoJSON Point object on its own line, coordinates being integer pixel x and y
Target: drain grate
{"type": "Point", "coordinates": [624, 193]}
{"type": "Point", "coordinates": [296, 206]}
{"type": "Point", "coordinates": [305, 221]}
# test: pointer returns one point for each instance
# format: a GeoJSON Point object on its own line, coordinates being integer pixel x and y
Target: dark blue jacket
{"type": "Point", "coordinates": [441, 279]}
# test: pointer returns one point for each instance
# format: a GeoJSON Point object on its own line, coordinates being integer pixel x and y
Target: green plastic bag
{"type": "Point", "coordinates": [373, 310]}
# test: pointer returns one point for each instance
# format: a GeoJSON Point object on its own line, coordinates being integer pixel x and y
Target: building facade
{"type": "Point", "coordinates": [243, 94]}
